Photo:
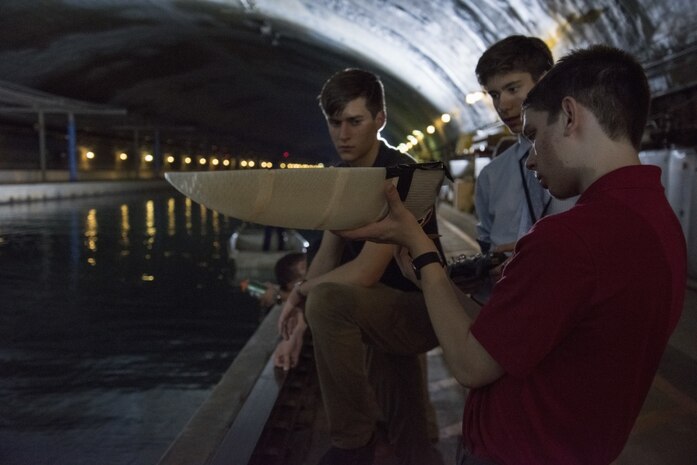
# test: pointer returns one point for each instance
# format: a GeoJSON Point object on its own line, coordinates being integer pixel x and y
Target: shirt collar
{"type": "Point", "coordinates": [522, 147]}
{"type": "Point", "coordinates": [626, 177]}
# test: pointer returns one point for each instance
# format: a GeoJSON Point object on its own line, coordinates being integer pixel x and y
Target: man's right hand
{"type": "Point", "coordinates": [291, 313]}
{"type": "Point", "coordinates": [287, 352]}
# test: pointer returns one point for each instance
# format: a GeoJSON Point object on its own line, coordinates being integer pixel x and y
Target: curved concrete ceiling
{"type": "Point", "coordinates": [244, 74]}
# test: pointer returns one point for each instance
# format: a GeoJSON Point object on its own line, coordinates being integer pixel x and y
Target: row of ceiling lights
{"type": "Point", "coordinates": [417, 135]}
{"type": "Point", "coordinates": [170, 159]}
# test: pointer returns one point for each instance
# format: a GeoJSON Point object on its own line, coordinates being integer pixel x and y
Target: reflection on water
{"type": "Point", "coordinates": [117, 317]}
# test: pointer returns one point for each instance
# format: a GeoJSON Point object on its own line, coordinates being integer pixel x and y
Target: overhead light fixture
{"type": "Point", "coordinates": [474, 97]}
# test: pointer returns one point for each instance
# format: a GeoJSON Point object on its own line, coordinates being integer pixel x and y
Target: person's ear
{"type": "Point", "coordinates": [380, 119]}
{"type": "Point", "coordinates": [570, 114]}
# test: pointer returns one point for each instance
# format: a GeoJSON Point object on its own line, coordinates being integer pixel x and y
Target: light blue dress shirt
{"type": "Point", "coordinates": [503, 206]}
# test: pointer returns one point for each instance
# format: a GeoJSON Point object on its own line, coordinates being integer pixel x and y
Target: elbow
{"type": "Point", "coordinates": [471, 380]}
{"type": "Point", "coordinates": [367, 282]}
{"type": "Point", "coordinates": [367, 279]}
{"type": "Point", "coordinates": [473, 375]}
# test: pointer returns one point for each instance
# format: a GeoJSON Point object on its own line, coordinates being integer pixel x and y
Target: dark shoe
{"type": "Point", "coordinates": [358, 456]}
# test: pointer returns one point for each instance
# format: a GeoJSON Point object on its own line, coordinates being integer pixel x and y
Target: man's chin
{"type": "Point", "coordinates": [515, 128]}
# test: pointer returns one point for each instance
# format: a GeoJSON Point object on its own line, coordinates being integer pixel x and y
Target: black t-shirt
{"type": "Point", "coordinates": [388, 156]}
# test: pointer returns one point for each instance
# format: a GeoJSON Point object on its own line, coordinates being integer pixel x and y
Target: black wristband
{"type": "Point", "coordinates": [423, 260]}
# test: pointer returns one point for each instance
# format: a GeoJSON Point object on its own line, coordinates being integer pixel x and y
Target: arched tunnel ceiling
{"type": "Point", "coordinates": [245, 73]}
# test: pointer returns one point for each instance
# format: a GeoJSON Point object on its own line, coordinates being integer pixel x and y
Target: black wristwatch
{"type": "Point", "coordinates": [423, 260]}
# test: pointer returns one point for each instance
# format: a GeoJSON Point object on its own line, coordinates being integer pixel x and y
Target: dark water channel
{"type": "Point", "coordinates": [117, 317]}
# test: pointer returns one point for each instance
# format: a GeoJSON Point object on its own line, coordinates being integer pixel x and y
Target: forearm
{"type": "Point", "coordinates": [451, 317]}
{"type": "Point", "coordinates": [328, 256]}
{"type": "Point", "coordinates": [364, 270]}
{"type": "Point", "coordinates": [348, 273]}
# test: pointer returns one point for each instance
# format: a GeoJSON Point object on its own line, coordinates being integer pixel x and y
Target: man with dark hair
{"type": "Point", "coordinates": [508, 200]}
{"type": "Point", "coordinates": [562, 356]}
{"type": "Point", "coordinates": [369, 323]}
{"type": "Point", "coordinates": [289, 269]}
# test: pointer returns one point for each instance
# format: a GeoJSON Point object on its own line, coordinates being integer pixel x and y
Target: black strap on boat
{"type": "Point", "coordinates": [405, 173]}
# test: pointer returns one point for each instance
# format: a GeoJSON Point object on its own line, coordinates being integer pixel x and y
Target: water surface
{"type": "Point", "coordinates": [117, 317]}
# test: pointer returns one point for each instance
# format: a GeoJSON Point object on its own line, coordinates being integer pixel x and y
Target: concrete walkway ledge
{"type": "Point", "coordinates": [11, 193]}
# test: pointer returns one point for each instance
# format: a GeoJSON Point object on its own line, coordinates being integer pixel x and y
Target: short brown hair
{"type": "Point", "coordinates": [606, 80]}
{"type": "Point", "coordinates": [515, 53]}
{"type": "Point", "coordinates": [350, 84]}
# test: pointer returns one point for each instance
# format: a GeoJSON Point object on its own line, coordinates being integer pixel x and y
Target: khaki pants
{"type": "Point", "coordinates": [367, 342]}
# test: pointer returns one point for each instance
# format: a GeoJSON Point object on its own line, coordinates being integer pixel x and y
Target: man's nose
{"type": "Point", "coordinates": [344, 131]}
{"type": "Point", "coordinates": [531, 161]}
{"type": "Point", "coordinates": [504, 103]}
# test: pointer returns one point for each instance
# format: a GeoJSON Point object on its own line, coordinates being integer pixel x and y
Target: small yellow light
{"type": "Point", "coordinates": [226, 162]}
{"type": "Point", "coordinates": [431, 129]}
{"type": "Point", "coordinates": [123, 156]}
{"type": "Point", "coordinates": [89, 155]}
{"type": "Point", "coordinates": [251, 163]}
{"type": "Point", "coordinates": [445, 117]}
{"type": "Point", "coordinates": [147, 277]}
{"type": "Point", "coordinates": [243, 163]}
{"type": "Point", "coordinates": [215, 162]}
{"type": "Point", "coordinates": [201, 161]}
{"type": "Point", "coordinates": [187, 160]}
{"type": "Point", "coordinates": [170, 159]}
{"type": "Point", "coordinates": [283, 166]}
{"type": "Point", "coordinates": [149, 158]}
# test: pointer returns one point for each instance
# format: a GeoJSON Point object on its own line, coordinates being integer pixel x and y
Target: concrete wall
{"type": "Point", "coordinates": [10, 193]}
{"type": "Point", "coordinates": [33, 176]}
